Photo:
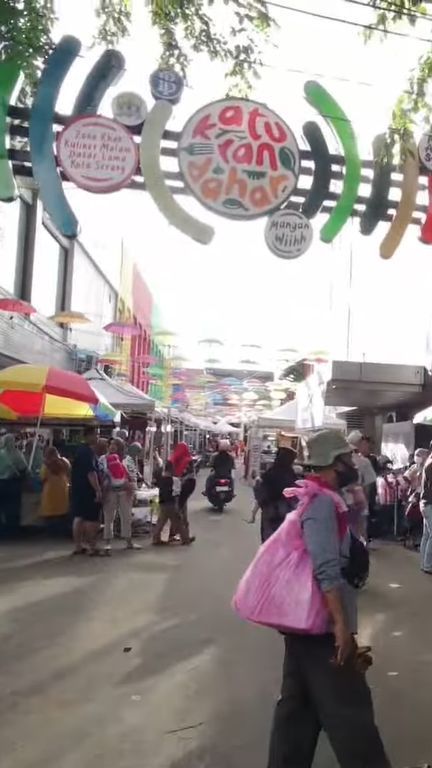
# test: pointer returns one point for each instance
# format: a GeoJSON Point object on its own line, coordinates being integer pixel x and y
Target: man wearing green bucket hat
{"type": "Point", "coordinates": [324, 685]}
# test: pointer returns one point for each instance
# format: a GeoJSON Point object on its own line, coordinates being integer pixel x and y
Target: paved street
{"type": "Point", "coordinates": [197, 688]}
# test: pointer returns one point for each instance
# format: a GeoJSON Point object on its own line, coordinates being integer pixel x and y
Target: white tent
{"type": "Point", "coordinates": [121, 395]}
{"type": "Point", "coordinates": [285, 417]}
{"type": "Point", "coordinates": [223, 428]}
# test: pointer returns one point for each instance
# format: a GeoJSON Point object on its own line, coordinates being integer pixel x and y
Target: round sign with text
{"type": "Point", "coordinates": [239, 158]}
{"type": "Point", "coordinates": [425, 150]}
{"type": "Point", "coordinates": [96, 153]}
{"type": "Point", "coordinates": [288, 234]}
{"type": "Point", "coordinates": [129, 108]}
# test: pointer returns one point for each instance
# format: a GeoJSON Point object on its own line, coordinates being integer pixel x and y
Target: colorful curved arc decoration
{"type": "Point", "coordinates": [334, 115]}
{"type": "Point", "coordinates": [242, 155]}
{"type": "Point", "coordinates": [151, 136]}
{"type": "Point", "coordinates": [406, 205]}
{"type": "Point", "coordinates": [104, 73]}
{"type": "Point", "coordinates": [322, 175]}
{"type": "Point", "coordinates": [41, 135]}
{"type": "Point", "coordinates": [378, 202]}
{"type": "Point", "coordinates": [9, 74]}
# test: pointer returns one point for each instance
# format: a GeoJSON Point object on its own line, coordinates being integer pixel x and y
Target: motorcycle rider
{"type": "Point", "coordinates": [222, 464]}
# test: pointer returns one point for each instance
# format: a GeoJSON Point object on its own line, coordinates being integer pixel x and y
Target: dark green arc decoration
{"type": "Point", "coordinates": [322, 172]}
{"type": "Point", "coordinates": [9, 74]}
{"type": "Point", "coordinates": [334, 115]}
{"type": "Point", "coordinates": [378, 202]}
{"type": "Point", "coordinates": [104, 73]}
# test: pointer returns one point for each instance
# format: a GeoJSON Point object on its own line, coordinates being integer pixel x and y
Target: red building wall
{"type": "Point", "coordinates": [142, 307]}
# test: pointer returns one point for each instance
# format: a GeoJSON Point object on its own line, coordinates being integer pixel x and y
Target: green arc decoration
{"type": "Point", "coordinates": [9, 74]}
{"type": "Point", "coordinates": [334, 115]}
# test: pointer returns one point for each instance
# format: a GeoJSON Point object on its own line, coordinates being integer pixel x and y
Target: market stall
{"type": "Point", "coordinates": [281, 423]}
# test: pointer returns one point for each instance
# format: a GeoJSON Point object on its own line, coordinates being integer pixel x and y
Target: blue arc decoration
{"type": "Point", "coordinates": [103, 74]}
{"type": "Point", "coordinates": [42, 136]}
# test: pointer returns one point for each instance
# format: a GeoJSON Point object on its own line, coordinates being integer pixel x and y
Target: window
{"type": "Point", "coordinates": [9, 225]}
{"type": "Point", "coordinates": [45, 272]}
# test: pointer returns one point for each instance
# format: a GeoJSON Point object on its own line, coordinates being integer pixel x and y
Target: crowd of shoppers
{"type": "Point", "coordinates": [95, 491]}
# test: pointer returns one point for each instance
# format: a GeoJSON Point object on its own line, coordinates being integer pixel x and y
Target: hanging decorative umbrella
{"type": "Point", "coordinates": [120, 328]}
{"type": "Point", "coordinates": [69, 317]}
{"type": "Point", "coordinates": [164, 335]}
{"type": "Point", "coordinates": [248, 362]}
{"type": "Point", "coordinates": [212, 361]}
{"type": "Point", "coordinates": [211, 342]}
{"type": "Point", "coordinates": [251, 346]}
{"type": "Point", "coordinates": [16, 306]}
{"type": "Point", "coordinates": [178, 360]}
{"type": "Point", "coordinates": [250, 396]}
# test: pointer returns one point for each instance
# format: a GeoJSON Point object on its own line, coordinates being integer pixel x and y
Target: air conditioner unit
{"type": "Point", "coordinates": [85, 362]}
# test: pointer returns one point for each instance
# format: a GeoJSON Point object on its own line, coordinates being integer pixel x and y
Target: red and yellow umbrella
{"type": "Point", "coordinates": [33, 391]}
{"type": "Point", "coordinates": [20, 382]}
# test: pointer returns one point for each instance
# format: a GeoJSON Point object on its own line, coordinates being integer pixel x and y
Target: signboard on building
{"type": "Point", "coordinates": [239, 158]}
{"type": "Point", "coordinates": [96, 153]}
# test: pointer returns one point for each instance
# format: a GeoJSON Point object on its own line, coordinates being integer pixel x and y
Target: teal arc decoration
{"type": "Point", "coordinates": [42, 139]}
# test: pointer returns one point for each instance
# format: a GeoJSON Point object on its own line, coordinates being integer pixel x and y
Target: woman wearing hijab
{"type": "Point", "coordinates": [55, 474]}
{"type": "Point", "coordinates": [183, 466]}
{"type": "Point", "coordinates": [13, 468]}
{"type": "Point", "coordinates": [274, 506]}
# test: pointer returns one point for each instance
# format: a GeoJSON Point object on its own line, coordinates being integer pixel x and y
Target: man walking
{"type": "Point", "coordinates": [324, 685]}
{"type": "Point", "coordinates": [86, 495]}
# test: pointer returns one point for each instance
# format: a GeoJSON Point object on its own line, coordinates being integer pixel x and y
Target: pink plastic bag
{"type": "Point", "coordinates": [279, 589]}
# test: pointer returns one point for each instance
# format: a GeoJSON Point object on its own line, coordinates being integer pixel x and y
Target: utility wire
{"type": "Point", "coordinates": [394, 9]}
{"type": "Point", "coordinates": [357, 24]}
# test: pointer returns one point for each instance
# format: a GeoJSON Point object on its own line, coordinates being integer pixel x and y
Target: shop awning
{"type": "Point", "coordinates": [285, 417]}
{"type": "Point", "coordinates": [121, 395]}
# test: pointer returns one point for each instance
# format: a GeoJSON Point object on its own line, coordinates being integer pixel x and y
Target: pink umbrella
{"type": "Point", "coordinates": [119, 328]}
{"type": "Point", "coordinates": [16, 305]}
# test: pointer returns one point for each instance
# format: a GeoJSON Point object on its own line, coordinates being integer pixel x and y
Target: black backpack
{"type": "Point", "coordinates": [356, 572]}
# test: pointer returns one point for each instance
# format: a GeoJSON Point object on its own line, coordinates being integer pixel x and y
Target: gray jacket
{"type": "Point", "coordinates": [329, 553]}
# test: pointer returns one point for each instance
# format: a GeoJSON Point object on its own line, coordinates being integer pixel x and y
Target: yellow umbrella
{"type": "Point", "coordinates": [7, 414]}
{"type": "Point", "coordinates": [69, 317]}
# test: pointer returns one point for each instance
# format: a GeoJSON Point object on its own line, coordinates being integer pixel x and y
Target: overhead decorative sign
{"type": "Point", "coordinates": [288, 234]}
{"type": "Point", "coordinates": [96, 153]}
{"type": "Point", "coordinates": [425, 150]}
{"type": "Point", "coordinates": [239, 158]}
{"type": "Point", "coordinates": [129, 108]}
{"type": "Point", "coordinates": [166, 85]}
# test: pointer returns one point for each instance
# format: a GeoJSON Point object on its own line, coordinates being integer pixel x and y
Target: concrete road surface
{"type": "Point", "coordinates": [197, 687]}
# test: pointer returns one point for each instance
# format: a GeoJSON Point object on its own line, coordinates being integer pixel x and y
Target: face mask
{"type": "Point", "coordinates": [347, 475]}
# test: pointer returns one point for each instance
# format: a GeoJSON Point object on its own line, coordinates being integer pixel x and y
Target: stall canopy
{"type": "Point", "coordinates": [222, 427]}
{"type": "Point", "coordinates": [285, 417]}
{"type": "Point", "coordinates": [121, 395]}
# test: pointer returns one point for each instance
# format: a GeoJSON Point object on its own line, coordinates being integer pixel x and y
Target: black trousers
{"type": "Point", "coordinates": [317, 694]}
{"type": "Point", "coordinates": [10, 505]}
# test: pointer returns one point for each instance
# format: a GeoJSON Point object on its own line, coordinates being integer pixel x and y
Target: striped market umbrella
{"type": "Point", "coordinates": [24, 388]}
